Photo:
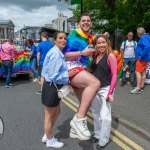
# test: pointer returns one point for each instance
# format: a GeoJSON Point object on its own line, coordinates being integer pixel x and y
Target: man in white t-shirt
{"type": "Point", "coordinates": [128, 52]}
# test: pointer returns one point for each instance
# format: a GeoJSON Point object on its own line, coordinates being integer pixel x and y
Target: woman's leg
{"type": "Point", "coordinates": [89, 85]}
{"type": "Point", "coordinates": [95, 109]}
{"type": "Point", "coordinates": [51, 114]}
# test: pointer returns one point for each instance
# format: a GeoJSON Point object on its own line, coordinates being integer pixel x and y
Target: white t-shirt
{"type": "Point", "coordinates": [129, 50]}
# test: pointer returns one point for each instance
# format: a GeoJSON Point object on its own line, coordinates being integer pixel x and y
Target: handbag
{"type": "Point", "coordinates": [64, 91]}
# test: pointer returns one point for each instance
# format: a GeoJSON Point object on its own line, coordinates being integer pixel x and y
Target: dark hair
{"type": "Point", "coordinates": [30, 41]}
{"type": "Point", "coordinates": [44, 34]}
{"type": "Point", "coordinates": [84, 14]}
{"type": "Point", "coordinates": [56, 34]}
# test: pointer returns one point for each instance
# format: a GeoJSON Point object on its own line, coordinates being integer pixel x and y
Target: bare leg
{"type": "Point", "coordinates": [78, 93]}
{"type": "Point", "coordinates": [90, 85]}
{"type": "Point", "coordinates": [51, 114]}
{"type": "Point", "coordinates": [143, 78]}
{"type": "Point", "coordinates": [138, 78]}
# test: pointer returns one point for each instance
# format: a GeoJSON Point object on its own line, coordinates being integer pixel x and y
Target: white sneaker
{"type": "Point", "coordinates": [80, 125]}
{"type": "Point", "coordinates": [35, 80]}
{"type": "Point", "coordinates": [135, 91]}
{"type": "Point", "coordinates": [73, 134]}
{"type": "Point", "coordinates": [44, 139]}
{"type": "Point", "coordinates": [54, 143]}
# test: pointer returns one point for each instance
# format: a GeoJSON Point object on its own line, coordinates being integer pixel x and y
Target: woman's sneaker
{"type": "Point", "coordinates": [54, 143]}
{"type": "Point", "coordinates": [44, 139]}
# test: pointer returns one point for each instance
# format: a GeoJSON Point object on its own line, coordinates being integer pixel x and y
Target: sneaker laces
{"type": "Point", "coordinates": [84, 125]}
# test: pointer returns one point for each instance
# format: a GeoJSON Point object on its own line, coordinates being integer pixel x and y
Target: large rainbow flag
{"type": "Point", "coordinates": [22, 64]}
{"type": "Point", "coordinates": [78, 41]}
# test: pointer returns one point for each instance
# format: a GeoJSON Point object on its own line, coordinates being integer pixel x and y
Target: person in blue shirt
{"type": "Point", "coordinates": [142, 56]}
{"type": "Point", "coordinates": [55, 74]}
{"type": "Point", "coordinates": [42, 50]}
{"type": "Point", "coordinates": [33, 57]}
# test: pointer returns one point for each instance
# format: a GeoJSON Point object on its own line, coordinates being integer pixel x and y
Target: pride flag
{"type": "Point", "coordinates": [22, 64]}
{"type": "Point", "coordinates": [78, 41]}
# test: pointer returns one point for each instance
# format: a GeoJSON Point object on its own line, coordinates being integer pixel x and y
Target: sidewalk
{"type": "Point", "coordinates": [132, 110]}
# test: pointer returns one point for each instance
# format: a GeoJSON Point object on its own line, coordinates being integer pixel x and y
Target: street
{"type": "Point", "coordinates": [22, 113]}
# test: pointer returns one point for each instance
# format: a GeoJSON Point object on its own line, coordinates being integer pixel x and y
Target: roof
{"type": "Point", "coordinates": [72, 19]}
{"type": "Point", "coordinates": [6, 22]}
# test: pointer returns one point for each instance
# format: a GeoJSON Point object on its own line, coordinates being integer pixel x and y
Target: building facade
{"type": "Point", "coordinates": [6, 29]}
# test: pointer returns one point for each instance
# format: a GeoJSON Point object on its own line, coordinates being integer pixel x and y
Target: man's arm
{"type": "Point", "coordinates": [86, 52]}
{"type": "Point", "coordinates": [38, 58]}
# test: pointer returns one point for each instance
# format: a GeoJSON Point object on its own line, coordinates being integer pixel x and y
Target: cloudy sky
{"type": "Point", "coordinates": [32, 12]}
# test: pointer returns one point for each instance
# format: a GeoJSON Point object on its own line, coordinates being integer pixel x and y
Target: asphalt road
{"type": "Point", "coordinates": [22, 113]}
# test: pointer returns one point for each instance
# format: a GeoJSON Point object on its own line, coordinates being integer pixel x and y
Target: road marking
{"type": "Point", "coordinates": [73, 105]}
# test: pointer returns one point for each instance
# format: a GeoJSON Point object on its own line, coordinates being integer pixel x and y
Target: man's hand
{"type": "Point", "coordinates": [88, 51]}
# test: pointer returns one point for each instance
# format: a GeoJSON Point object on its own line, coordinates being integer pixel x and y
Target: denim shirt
{"type": "Point", "coordinates": [54, 67]}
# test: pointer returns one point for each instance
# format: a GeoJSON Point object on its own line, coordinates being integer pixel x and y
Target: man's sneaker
{"type": "Point", "coordinates": [135, 91]}
{"type": "Point", "coordinates": [44, 139]}
{"type": "Point", "coordinates": [73, 134]}
{"type": "Point", "coordinates": [38, 92]}
{"type": "Point", "coordinates": [54, 143]}
{"type": "Point", "coordinates": [80, 125]}
{"type": "Point", "coordinates": [8, 86]}
{"type": "Point", "coordinates": [123, 83]}
{"type": "Point", "coordinates": [142, 89]}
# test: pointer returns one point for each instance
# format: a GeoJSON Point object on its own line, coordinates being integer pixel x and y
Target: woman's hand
{"type": "Point", "coordinates": [109, 98]}
{"type": "Point", "coordinates": [88, 51]}
{"type": "Point", "coordinates": [72, 72]}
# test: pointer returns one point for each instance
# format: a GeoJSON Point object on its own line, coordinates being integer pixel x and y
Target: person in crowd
{"type": "Point", "coordinates": [42, 50]}
{"type": "Point", "coordinates": [25, 43]}
{"type": "Point", "coordinates": [128, 52]}
{"type": "Point", "coordinates": [33, 58]}
{"type": "Point", "coordinates": [55, 74]}
{"type": "Point", "coordinates": [84, 84]}
{"type": "Point", "coordinates": [104, 67]}
{"type": "Point", "coordinates": [142, 55]}
{"type": "Point", "coordinates": [7, 54]}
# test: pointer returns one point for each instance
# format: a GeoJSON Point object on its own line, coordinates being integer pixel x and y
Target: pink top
{"type": "Point", "coordinates": [7, 51]}
{"type": "Point", "coordinates": [112, 62]}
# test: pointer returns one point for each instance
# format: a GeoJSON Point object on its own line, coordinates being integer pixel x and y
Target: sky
{"type": "Point", "coordinates": [32, 12]}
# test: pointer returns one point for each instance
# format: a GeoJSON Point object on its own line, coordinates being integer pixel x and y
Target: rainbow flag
{"type": "Point", "coordinates": [22, 63]}
{"type": "Point", "coordinates": [78, 41]}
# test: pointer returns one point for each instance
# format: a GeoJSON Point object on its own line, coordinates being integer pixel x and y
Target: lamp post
{"type": "Point", "coordinates": [81, 6]}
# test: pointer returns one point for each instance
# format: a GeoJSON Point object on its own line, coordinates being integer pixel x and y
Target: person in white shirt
{"type": "Point", "coordinates": [128, 52]}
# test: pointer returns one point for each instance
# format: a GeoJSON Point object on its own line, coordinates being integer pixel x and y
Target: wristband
{"type": "Point", "coordinates": [81, 53]}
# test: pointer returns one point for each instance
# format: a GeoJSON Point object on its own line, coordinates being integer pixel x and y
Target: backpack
{"type": "Point", "coordinates": [125, 42]}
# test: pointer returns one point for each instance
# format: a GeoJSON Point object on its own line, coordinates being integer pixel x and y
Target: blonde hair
{"type": "Point", "coordinates": [108, 48]}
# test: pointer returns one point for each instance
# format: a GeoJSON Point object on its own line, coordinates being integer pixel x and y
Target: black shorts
{"type": "Point", "coordinates": [40, 70]}
{"type": "Point", "coordinates": [50, 95]}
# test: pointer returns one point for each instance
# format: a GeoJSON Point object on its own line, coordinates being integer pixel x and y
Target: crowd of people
{"type": "Point", "coordinates": [67, 61]}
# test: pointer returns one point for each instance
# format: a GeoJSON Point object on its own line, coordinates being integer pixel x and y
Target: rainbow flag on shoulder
{"type": "Point", "coordinates": [78, 41]}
